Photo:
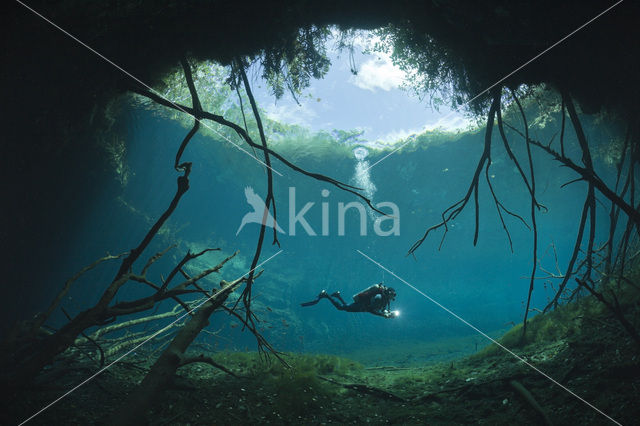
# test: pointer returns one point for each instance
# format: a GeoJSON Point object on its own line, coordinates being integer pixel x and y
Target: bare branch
{"type": "Point", "coordinates": [269, 202]}
{"type": "Point", "coordinates": [206, 360]}
{"type": "Point", "coordinates": [243, 134]}
{"type": "Point", "coordinates": [454, 210]}
{"type": "Point", "coordinates": [67, 286]}
{"type": "Point", "coordinates": [262, 342]}
{"type": "Point", "coordinates": [197, 108]}
{"type": "Point", "coordinates": [572, 261]}
{"type": "Point", "coordinates": [155, 257]}
{"type": "Point", "coordinates": [534, 205]}
{"type": "Point", "coordinates": [125, 324]}
{"type": "Point", "coordinates": [598, 184]}
{"type": "Point", "coordinates": [187, 257]}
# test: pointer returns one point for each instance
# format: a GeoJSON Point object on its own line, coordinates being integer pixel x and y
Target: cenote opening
{"type": "Point", "coordinates": [405, 216]}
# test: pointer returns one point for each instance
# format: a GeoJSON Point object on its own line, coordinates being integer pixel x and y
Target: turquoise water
{"type": "Point", "coordinates": [486, 284]}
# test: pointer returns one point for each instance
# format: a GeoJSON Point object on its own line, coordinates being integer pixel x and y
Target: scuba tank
{"type": "Point", "coordinates": [366, 294]}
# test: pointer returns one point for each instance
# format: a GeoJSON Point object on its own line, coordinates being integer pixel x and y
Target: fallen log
{"type": "Point", "coordinates": [163, 370]}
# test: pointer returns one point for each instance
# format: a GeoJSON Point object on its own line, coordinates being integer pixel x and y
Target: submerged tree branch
{"type": "Point", "coordinates": [588, 162]}
{"type": "Point", "coordinates": [197, 110]}
{"type": "Point", "coordinates": [574, 256]}
{"type": "Point", "coordinates": [42, 318]}
{"type": "Point", "coordinates": [56, 343]}
{"type": "Point", "coordinates": [614, 307]}
{"type": "Point", "coordinates": [269, 202]}
{"type": "Point", "coordinates": [533, 212]}
{"type": "Point", "coordinates": [598, 184]}
{"type": "Point", "coordinates": [455, 209]}
{"type": "Point", "coordinates": [206, 360]}
{"type": "Point", "coordinates": [163, 370]}
{"type": "Point", "coordinates": [243, 134]}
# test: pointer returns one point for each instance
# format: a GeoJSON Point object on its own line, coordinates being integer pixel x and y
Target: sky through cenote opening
{"type": "Point", "coordinates": [376, 99]}
{"type": "Point", "coordinates": [141, 169]}
{"type": "Point", "coordinates": [344, 127]}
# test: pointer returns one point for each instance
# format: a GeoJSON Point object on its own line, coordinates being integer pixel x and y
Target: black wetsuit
{"type": "Point", "coordinates": [375, 300]}
{"type": "Point", "coordinates": [374, 304]}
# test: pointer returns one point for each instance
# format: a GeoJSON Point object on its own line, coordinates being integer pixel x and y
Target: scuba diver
{"type": "Point", "coordinates": [375, 300]}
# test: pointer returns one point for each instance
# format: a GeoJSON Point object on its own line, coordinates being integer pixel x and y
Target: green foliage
{"type": "Point", "coordinates": [291, 64]}
{"type": "Point", "coordinates": [434, 70]}
{"type": "Point", "coordinates": [296, 389]}
{"type": "Point", "coordinates": [298, 143]}
{"type": "Point", "coordinates": [249, 363]}
{"type": "Point", "coordinates": [545, 328]}
{"type": "Point", "coordinates": [562, 323]}
{"type": "Point", "coordinates": [300, 59]}
{"type": "Point", "coordinates": [215, 96]}
{"type": "Point", "coordinates": [348, 136]}
{"type": "Point", "coordinates": [309, 365]}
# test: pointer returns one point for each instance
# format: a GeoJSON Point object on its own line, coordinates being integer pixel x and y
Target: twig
{"type": "Point", "coordinates": [614, 307]}
{"type": "Point", "coordinates": [243, 134]}
{"type": "Point", "coordinates": [197, 109]}
{"type": "Point", "coordinates": [455, 209]}
{"type": "Point", "coordinates": [572, 260]}
{"type": "Point", "coordinates": [262, 342]}
{"type": "Point", "coordinates": [269, 202]}
{"type": "Point", "coordinates": [378, 393]}
{"type": "Point", "coordinates": [67, 286]}
{"type": "Point", "coordinates": [533, 211]}
{"type": "Point", "coordinates": [206, 360]}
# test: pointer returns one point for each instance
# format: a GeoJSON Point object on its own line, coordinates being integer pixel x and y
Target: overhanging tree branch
{"type": "Point", "coordinates": [454, 210]}
{"type": "Point", "coordinates": [243, 134]}
{"type": "Point", "coordinates": [269, 202]}
{"type": "Point", "coordinates": [534, 225]}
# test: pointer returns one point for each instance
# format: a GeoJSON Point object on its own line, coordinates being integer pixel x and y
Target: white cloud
{"type": "Point", "coordinates": [291, 113]}
{"type": "Point", "coordinates": [399, 135]}
{"type": "Point", "coordinates": [451, 122]}
{"type": "Point", "coordinates": [378, 73]}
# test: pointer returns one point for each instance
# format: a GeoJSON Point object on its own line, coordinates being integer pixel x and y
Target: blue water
{"type": "Point", "coordinates": [487, 285]}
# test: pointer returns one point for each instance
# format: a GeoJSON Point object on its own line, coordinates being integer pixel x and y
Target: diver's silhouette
{"type": "Point", "coordinates": [258, 213]}
{"type": "Point", "coordinates": [376, 300]}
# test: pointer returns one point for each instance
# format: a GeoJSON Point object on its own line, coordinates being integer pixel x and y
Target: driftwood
{"type": "Point", "coordinates": [126, 324]}
{"type": "Point", "coordinates": [207, 360]}
{"type": "Point", "coordinates": [502, 382]}
{"type": "Point", "coordinates": [369, 390]}
{"type": "Point", "coordinates": [526, 395]}
{"type": "Point", "coordinates": [388, 368]}
{"type": "Point", "coordinates": [28, 352]}
{"type": "Point", "coordinates": [163, 370]}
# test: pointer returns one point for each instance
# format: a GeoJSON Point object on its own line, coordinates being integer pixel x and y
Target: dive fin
{"type": "Point", "coordinates": [313, 302]}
